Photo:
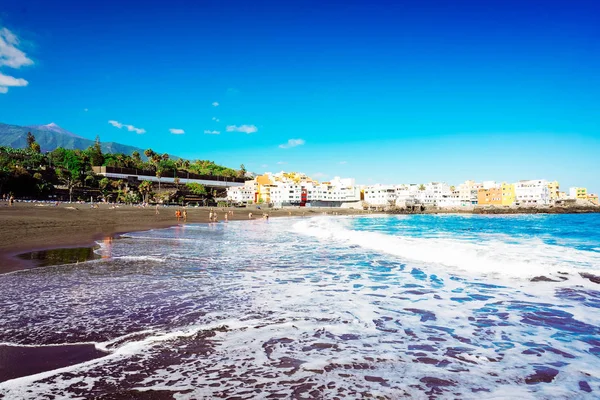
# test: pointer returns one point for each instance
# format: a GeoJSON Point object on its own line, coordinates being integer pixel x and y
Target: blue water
{"type": "Point", "coordinates": [443, 306]}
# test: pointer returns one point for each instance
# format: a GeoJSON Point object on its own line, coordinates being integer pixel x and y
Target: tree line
{"type": "Point", "coordinates": [30, 173]}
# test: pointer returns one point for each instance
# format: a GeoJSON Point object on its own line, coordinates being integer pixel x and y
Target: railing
{"type": "Point", "coordinates": [169, 174]}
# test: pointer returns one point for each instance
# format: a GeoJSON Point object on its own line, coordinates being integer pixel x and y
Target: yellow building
{"type": "Point", "coordinates": [554, 189]}
{"type": "Point", "coordinates": [593, 198]}
{"type": "Point", "coordinates": [578, 193]}
{"type": "Point", "coordinates": [263, 195]}
{"type": "Point", "coordinates": [508, 194]}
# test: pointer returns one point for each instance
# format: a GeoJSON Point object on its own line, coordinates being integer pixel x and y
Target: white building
{"type": "Point", "coordinates": [406, 195]}
{"type": "Point", "coordinates": [242, 194]}
{"type": "Point", "coordinates": [434, 193]}
{"type": "Point", "coordinates": [380, 195]}
{"type": "Point", "coordinates": [450, 200]}
{"type": "Point", "coordinates": [468, 193]}
{"type": "Point", "coordinates": [296, 189]}
{"type": "Point", "coordinates": [532, 192]}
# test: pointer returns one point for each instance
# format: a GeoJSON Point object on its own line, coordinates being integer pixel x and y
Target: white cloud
{"type": "Point", "coordinates": [9, 81]}
{"type": "Point", "coordinates": [215, 119]}
{"type": "Point", "coordinates": [242, 128]}
{"type": "Point", "coordinates": [292, 143]}
{"type": "Point", "coordinates": [12, 57]}
{"type": "Point", "coordinates": [215, 104]}
{"type": "Point", "coordinates": [85, 109]}
{"type": "Point", "coordinates": [130, 128]}
{"type": "Point", "coordinates": [176, 131]}
{"type": "Point", "coordinates": [209, 132]}
{"type": "Point", "coordinates": [343, 162]}
{"type": "Point", "coordinates": [319, 175]}
{"type": "Point", "coordinates": [281, 163]}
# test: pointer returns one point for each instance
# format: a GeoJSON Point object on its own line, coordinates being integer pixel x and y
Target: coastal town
{"type": "Point", "coordinates": [297, 189]}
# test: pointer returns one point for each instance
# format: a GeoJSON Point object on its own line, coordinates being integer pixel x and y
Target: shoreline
{"type": "Point", "coordinates": [27, 227]}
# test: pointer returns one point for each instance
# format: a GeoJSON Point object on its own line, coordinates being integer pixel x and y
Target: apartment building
{"type": "Point", "coordinates": [295, 189]}
{"type": "Point", "coordinates": [532, 192]}
{"type": "Point", "coordinates": [468, 192]}
{"type": "Point", "coordinates": [380, 195]}
{"type": "Point", "coordinates": [578, 193]}
{"type": "Point", "coordinates": [434, 193]}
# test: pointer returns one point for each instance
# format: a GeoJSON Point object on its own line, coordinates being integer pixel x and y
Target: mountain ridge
{"type": "Point", "coordinates": [52, 136]}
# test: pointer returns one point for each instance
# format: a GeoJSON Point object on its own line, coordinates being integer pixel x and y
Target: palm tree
{"type": "Point", "coordinates": [159, 175]}
{"type": "Point", "coordinates": [165, 156]}
{"type": "Point", "coordinates": [145, 188]}
{"type": "Point", "coordinates": [149, 153]}
{"type": "Point", "coordinates": [136, 157]}
{"type": "Point", "coordinates": [421, 187]}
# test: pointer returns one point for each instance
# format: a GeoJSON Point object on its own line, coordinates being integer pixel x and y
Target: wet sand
{"type": "Point", "coordinates": [33, 236]}
{"type": "Point", "coordinates": [18, 361]}
{"type": "Point", "coordinates": [26, 227]}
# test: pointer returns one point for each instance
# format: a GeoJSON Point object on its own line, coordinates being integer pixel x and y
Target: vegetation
{"type": "Point", "coordinates": [29, 173]}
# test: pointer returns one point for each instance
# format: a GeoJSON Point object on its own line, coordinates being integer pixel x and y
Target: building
{"type": "Point", "coordinates": [468, 192]}
{"type": "Point", "coordinates": [593, 198]}
{"type": "Point", "coordinates": [508, 194]}
{"type": "Point", "coordinates": [578, 193]}
{"type": "Point", "coordinates": [380, 195]}
{"type": "Point", "coordinates": [406, 195]}
{"type": "Point", "coordinates": [490, 197]}
{"type": "Point", "coordinates": [295, 189]}
{"type": "Point", "coordinates": [554, 189]}
{"type": "Point", "coordinates": [433, 194]}
{"type": "Point", "coordinates": [532, 192]}
{"type": "Point", "coordinates": [450, 200]}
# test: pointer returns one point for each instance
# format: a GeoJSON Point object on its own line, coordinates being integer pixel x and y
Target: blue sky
{"type": "Point", "coordinates": [387, 92]}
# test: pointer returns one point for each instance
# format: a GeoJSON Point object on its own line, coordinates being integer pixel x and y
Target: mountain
{"type": "Point", "coordinates": [52, 127]}
{"type": "Point", "coordinates": [51, 136]}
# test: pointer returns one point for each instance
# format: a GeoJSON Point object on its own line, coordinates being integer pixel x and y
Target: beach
{"type": "Point", "coordinates": [27, 227]}
{"type": "Point", "coordinates": [318, 307]}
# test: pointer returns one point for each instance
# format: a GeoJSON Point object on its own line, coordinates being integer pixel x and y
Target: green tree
{"type": "Point", "coordinates": [242, 171]}
{"type": "Point", "coordinates": [68, 178]}
{"type": "Point", "coordinates": [421, 187]}
{"type": "Point", "coordinates": [159, 174]}
{"type": "Point", "coordinates": [30, 140]}
{"type": "Point", "coordinates": [145, 188]}
{"type": "Point", "coordinates": [95, 153]}
{"type": "Point", "coordinates": [136, 157]}
{"type": "Point", "coordinates": [196, 189]}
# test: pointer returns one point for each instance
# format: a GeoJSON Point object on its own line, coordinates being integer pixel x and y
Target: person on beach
{"type": "Point", "coordinates": [178, 215]}
{"type": "Point", "coordinates": [11, 200]}
{"type": "Point", "coordinates": [249, 215]}
{"type": "Point", "coordinates": [184, 215]}
{"type": "Point", "coordinates": [226, 217]}
{"type": "Point", "coordinates": [210, 216]}
{"type": "Point", "coordinates": [266, 217]}
{"type": "Point", "coordinates": [156, 212]}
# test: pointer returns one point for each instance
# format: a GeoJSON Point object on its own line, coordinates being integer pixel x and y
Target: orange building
{"type": "Point", "coordinates": [489, 197]}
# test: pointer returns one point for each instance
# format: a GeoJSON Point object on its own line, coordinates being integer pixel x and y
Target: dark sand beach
{"type": "Point", "coordinates": [36, 235]}
{"type": "Point", "coordinates": [27, 227]}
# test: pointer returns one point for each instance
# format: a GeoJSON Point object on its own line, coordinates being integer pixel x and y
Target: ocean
{"type": "Point", "coordinates": [418, 306]}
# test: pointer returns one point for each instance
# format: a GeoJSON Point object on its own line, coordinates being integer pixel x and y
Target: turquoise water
{"type": "Point", "coordinates": [443, 306]}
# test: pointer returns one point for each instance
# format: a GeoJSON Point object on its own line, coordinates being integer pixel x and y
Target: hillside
{"type": "Point", "coordinates": [52, 136]}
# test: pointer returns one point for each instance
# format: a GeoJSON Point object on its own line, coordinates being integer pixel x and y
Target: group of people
{"type": "Point", "coordinates": [179, 215]}
{"type": "Point", "coordinates": [10, 198]}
